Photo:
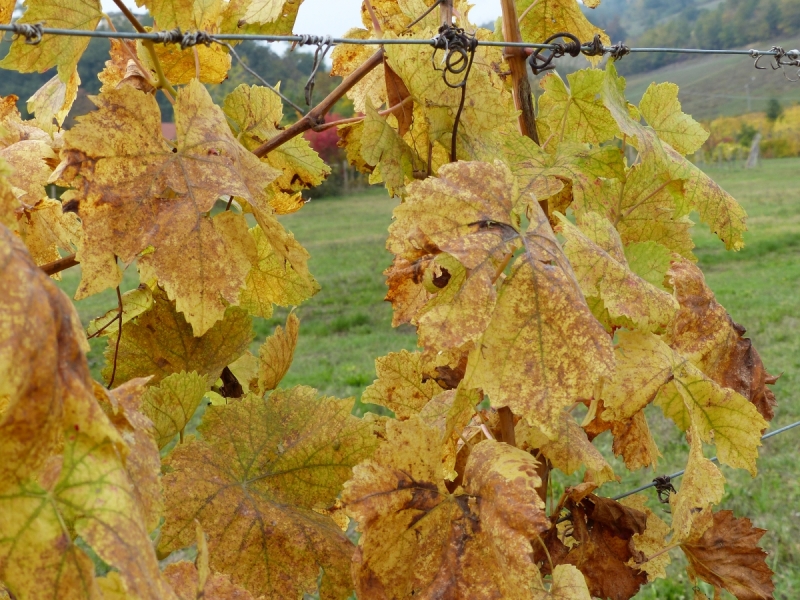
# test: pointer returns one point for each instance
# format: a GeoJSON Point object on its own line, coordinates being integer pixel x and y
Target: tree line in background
{"type": "Point", "coordinates": [693, 23]}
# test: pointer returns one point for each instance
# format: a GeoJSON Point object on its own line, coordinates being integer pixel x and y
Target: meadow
{"type": "Point", "coordinates": [347, 325]}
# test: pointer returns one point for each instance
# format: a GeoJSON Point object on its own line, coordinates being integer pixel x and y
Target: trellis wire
{"type": "Point", "coordinates": [316, 40]}
{"type": "Point", "coordinates": [715, 459]}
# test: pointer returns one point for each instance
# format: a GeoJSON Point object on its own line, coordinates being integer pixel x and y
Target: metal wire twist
{"type": "Point", "coordinates": [32, 32]}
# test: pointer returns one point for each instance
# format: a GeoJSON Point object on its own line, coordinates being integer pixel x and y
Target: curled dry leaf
{"type": "Point", "coordinates": [727, 556]}
{"type": "Point", "coordinates": [276, 354]}
{"type": "Point", "coordinates": [704, 333]}
{"type": "Point", "coordinates": [253, 480]}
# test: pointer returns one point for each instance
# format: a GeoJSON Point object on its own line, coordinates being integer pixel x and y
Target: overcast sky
{"type": "Point", "coordinates": [335, 17]}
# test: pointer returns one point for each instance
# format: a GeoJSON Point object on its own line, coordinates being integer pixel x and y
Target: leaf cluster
{"type": "Point", "coordinates": [544, 282]}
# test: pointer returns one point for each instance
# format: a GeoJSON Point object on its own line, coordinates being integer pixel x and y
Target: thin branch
{"type": "Point", "coordinates": [130, 16]}
{"type": "Point", "coordinates": [383, 113]}
{"type": "Point", "coordinates": [62, 264]}
{"type": "Point", "coordinates": [316, 116]}
{"type": "Point", "coordinates": [527, 10]}
{"type": "Point", "coordinates": [119, 338]}
{"type": "Point", "coordinates": [375, 23]}
{"type": "Point", "coordinates": [104, 327]}
{"type": "Point", "coordinates": [423, 15]}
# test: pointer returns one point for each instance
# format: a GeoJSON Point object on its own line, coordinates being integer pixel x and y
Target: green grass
{"type": "Point", "coordinates": [348, 324]}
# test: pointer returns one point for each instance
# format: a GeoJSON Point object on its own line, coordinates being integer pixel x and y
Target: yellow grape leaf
{"type": "Point", "coordinates": [63, 51]}
{"type": "Point", "coordinates": [112, 587]}
{"type": "Point", "coordinates": [568, 584]}
{"type": "Point", "coordinates": [171, 404]}
{"type": "Point", "coordinates": [347, 58]}
{"type": "Point", "coordinates": [28, 160]}
{"type": "Point", "coordinates": [661, 109]}
{"type": "Point", "coordinates": [649, 260]}
{"type": "Point", "coordinates": [576, 114]}
{"type": "Point", "coordinates": [701, 487]}
{"type": "Point", "coordinates": [401, 385]}
{"type": "Point", "coordinates": [234, 17]}
{"type": "Point", "coordinates": [121, 53]}
{"type": "Point", "coordinates": [727, 556]}
{"type": "Point", "coordinates": [632, 438]}
{"type": "Point", "coordinates": [279, 275]}
{"type": "Point", "coordinates": [255, 114]}
{"type": "Point", "coordinates": [123, 407]}
{"type": "Point", "coordinates": [138, 191]}
{"type": "Point", "coordinates": [539, 19]}
{"type": "Point", "coordinates": [160, 342]}
{"type": "Point", "coordinates": [63, 472]}
{"type": "Point", "coordinates": [245, 369]}
{"type": "Point", "coordinates": [450, 412]}
{"type": "Point", "coordinates": [705, 334]}
{"type": "Point", "coordinates": [276, 354]}
{"type": "Point", "coordinates": [269, 462]}
{"type": "Point", "coordinates": [606, 275]}
{"type": "Point", "coordinates": [6, 10]}
{"type": "Point", "coordinates": [649, 543]}
{"type": "Point", "coordinates": [186, 14]}
{"type": "Point", "coordinates": [408, 519]}
{"type": "Point", "coordinates": [134, 303]}
{"type": "Point", "coordinates": [467, 213]}
{"type": "Point", "coordinates": [716, 207]}
{"type": "Point", "coordinates": [41, 368]}
{"type": "Point", "coordinates": [184, 578]}
{"type": "Point", "coordinates": [54, 100]}
{"type": "Point", "coordinates": [569, 451]}
{"type": "Point", "coordinates": [180, 66]}
{"type": "Point", "coordinates": [383, 148]}
{"type": "Point", "coordinates": [543, 348]}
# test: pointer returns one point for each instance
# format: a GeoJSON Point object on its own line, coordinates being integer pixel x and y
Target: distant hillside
{"type": "Point", "coordinates": [716, 86]}
{"type": "Point", "coordinates": [693, 23]}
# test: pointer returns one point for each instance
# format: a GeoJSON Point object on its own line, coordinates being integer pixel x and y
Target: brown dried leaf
{"type": "Point", "coordinates": [727, 556]}
{"type": "Point", "coordinates": [704, 332]}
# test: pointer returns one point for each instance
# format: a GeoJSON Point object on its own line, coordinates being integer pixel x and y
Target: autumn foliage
{"type": "Point", "coordinates": [545, 281]}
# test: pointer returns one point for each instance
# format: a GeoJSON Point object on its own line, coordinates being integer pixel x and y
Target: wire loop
{"type": "Point", "coordinates": [540, 64]}
{"type": "Point", "coordinates": [32, 32]}
{"type": "Point", "coordinates": [618, 50]}
{"type": "Point", "coordinates": [593, 48]}
{"type": "Point", "coordinates": [195, 37]}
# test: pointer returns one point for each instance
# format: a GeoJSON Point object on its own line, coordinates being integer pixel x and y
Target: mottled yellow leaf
{"type": "Point", "coordinates": [539, 19]}
{"type": "Point", "coordinates": [701, 487]}
{"type": "Point", "coordinates": [252, 480]}
{"type": "Point", "coordinates": [347, 58]}
{"type": "Point", "coordinates": [542, 349]}
{"type": "Point", "coordinates": [450, 412]}
{"type": "Point", "coordinates": [401, 385]}
{"type": "Point", "coordinates": [180, 67]}
{"type": "Point", "coordinates": [255, 114]}
{"type": "Point", "coordinates": [187, 14]}
{"type": "Point", "coordinates": [234, 18]}
{"type": "Point", "coordinates": [138, 190]}
{"type": "Point", "coordinates": [569, 451]}
{"type": "Point", "coordinates": [160, 342]}
{"type": "Point", "coordinates": [568, 584]}
{"type": "Point", "coordinates": [383, 148]}
{"type": "Point", "coordinates": [651, 542]}
{"type": "Point", "coordinates": [54, 100]}
{"type": "Point", "coordinates": [420, 540]}
{"type": "Point", "coordinates": [172, 403]}
{"type": "Point", "coordinates": [276, 354]}
{"type": "Point", "coordinates": [63, 51]}
{"type": "Point", "coordinates": [6, 10]}
{"type": "Point", "coordinates": [605, 274]}
{"type": "Point", "coordinates": [661, 109]}
{"type": "Point", "coordinates": [576, 114]}
{"type": "Point", "coordinates": [134, 303]}
{"type": "Point", "coordinates": [184, 578]}
{"type": "Point", "coordinates": [279, 275]}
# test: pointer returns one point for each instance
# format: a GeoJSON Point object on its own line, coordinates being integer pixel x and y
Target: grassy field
{"type": "Point", "coordinates": [347, 325]}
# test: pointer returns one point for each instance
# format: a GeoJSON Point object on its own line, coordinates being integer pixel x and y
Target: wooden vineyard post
{"type": "Point", "coordinates": [516, 58]}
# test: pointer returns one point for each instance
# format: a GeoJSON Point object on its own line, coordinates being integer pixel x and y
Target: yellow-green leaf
{"type": "Point", "coordinates": [172, 403]}
{"type": "Point", "coordinates": [54, 100]}
{"type": "Point", "coordinates": [539, 19]}
{"type": "Point", "coordinates": [662, 110]}
{"type": "Point", "coordinates": [134, 303]}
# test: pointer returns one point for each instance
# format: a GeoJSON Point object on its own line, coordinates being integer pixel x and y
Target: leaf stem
{"type": "Point", "coordinates": [316, 116]}
{"type": "Point", "coordinates": [62, 264]}
{"type": "Point", "coordinates": [119, 338]}
{"type": "Point", "coordinates": [360, 118]}
{"type": "Point", "coordinates": [660, 552]}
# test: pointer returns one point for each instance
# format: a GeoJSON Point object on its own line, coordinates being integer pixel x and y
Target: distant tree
{"type": "Point", "coordinates": [774, 110]}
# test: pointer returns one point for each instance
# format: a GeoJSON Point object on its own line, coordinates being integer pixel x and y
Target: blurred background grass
{"type": "Point", "coordinates": [347, 325]}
